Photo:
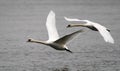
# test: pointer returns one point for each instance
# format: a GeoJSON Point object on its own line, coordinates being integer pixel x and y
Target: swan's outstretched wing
{"type": "Point", "coordinates": [51, 27]}
{"type": "Point", "coordinates": [75, 20]}
{"type": "Point", "coordinates": [67, 38]}
{"type": "Point", "coordinates": [69, 19]}
{"type": "Point", "coordinates": [104, 32]}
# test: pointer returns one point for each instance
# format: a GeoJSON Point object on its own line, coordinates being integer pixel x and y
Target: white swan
{"type": "Point", "coordinates": [54, 41]}
{"type": "Point", "coordinates": [93, 26]}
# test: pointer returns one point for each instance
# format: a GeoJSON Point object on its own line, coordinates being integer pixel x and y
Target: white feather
{"type": "Point", "coordinates": [103, 30]}
{"type": "Point", "coordinates": [54, 41]}
{"type": "Point", "coordinates": [69, 19]}
{"type": "Point", "coordinates": [51, 27]}
{"type": "Point", "coordinates": [105, 34]}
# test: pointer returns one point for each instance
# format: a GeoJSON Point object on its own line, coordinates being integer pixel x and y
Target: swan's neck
{"type": "Point", "coordinates": [37, 41]}
{"type": "Point", "coordinates": [77, 25]}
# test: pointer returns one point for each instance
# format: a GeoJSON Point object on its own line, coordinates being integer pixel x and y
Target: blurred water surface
{"type": "Point", "coordinates": [21, 19]}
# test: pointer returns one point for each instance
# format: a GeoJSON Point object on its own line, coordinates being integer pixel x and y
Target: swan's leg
{"type": "Point", "coordinates": [68, 50]}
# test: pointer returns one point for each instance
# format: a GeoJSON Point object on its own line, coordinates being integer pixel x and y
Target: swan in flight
{"type": "Point", "coordinates": [54, 40]}
{"type": "Point", "coordinates": [105, 32]}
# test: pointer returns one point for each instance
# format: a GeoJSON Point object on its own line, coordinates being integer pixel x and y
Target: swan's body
{"type": "Point", "coordinates": [54, 41]}
{"type": "Point", "coordinates": [93, 26]}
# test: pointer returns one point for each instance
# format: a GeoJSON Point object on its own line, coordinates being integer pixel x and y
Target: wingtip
{"type": "Point", "coordinates": [110, 40]}
{"type": "Point", "coordinates": [65, 17]}
{"type": "Point", "coordinates": [52, 12]}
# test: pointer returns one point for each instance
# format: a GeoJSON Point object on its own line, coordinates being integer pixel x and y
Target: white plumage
{"type": "Point", "coordinates": [54, 41]}
{"type": "Point", "coordinates": [51, 27]}
{"type": "Point", "coordinates": [93, 26]}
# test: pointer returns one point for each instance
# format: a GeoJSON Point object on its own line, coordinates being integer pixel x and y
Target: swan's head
{"type": "Point", "coordinates": [70, 25]}
{"type": "Point", "coordinates": [29, 40]}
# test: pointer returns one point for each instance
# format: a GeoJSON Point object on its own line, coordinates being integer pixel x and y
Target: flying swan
{"type": "Point", "coordinates": [54, 41]}
{"type": "Point", "coordinates": [105, 32]}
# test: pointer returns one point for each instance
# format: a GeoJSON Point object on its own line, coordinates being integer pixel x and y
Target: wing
{"type": "Point", "coordinates": [69, 19]}
{"type": "Point", "coordinates": [75, 20]}
{"type": "Point", "coordinates": [51, 27]}
{"type": "Point", "coordinates": [67, 38]}
{"type": "Point", "coordinates": [105, 34]}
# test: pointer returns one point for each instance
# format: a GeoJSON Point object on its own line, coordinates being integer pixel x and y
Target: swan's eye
{"type": "Point", "coordinates": [29, 40]}
{"type": "Point", "coordinates": [68, 26]}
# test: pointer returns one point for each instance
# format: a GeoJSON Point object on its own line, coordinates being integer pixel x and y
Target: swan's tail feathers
{"type": "Point", "coordinates": [68, 50]}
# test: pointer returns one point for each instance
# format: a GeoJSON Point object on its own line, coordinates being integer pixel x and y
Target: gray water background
{"type": "Point", "coordinates": [22, 19]}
